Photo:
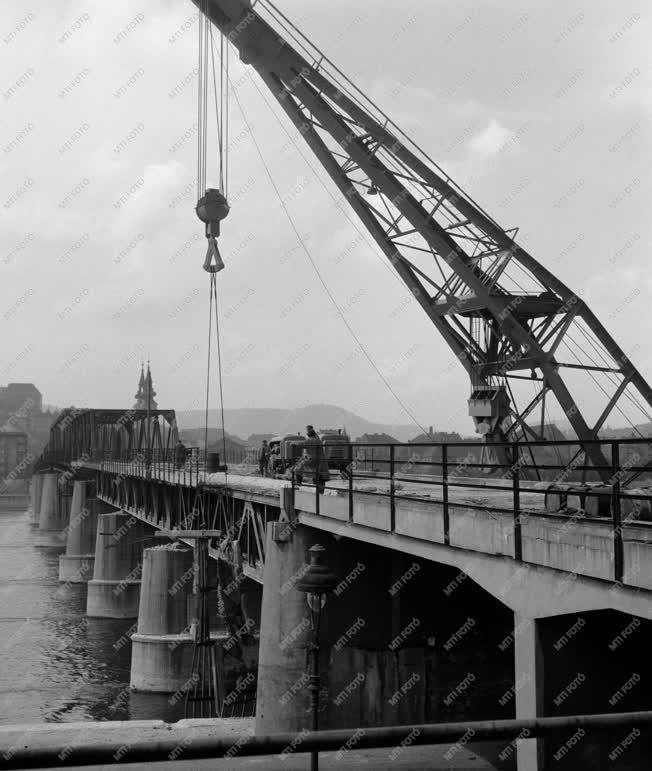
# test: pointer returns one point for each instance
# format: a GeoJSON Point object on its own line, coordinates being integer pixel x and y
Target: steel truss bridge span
{"type": "Point", "coordinates": [436, 492]}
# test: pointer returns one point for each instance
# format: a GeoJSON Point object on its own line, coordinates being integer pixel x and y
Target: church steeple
{"type": "Point", "coordinates": [141, 388]}
{"type": "Point", "coordinates": [145, 390]}
{"type": "Point", "coordinates": [149, 390]}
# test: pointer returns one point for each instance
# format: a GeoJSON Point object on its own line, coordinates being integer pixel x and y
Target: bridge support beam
{"type": "Point", "coordinates": [528, 688]}
{"type": "Point", "coordinates": [284, 635]}
{"type": "Point", "coordinates": [76, 565]}
{"type": "Point", "coordinates": [35, 493]}
{"type": "Point", "coordinates": [161, 648]}
{"type": "Point", "coordinates": [114, 589]}
{"type": "Point", "coordinates": [53, 516]}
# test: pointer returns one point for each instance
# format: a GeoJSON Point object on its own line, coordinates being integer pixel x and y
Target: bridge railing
{"type": "Point", "coordinates": [188, 468]}
{"type": "Point", "coordinates": [549, 478]}
{"type": "Point", "coordinates": [93, 747]}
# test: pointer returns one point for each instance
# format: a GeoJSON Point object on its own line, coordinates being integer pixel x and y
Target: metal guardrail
{"type": "Point", "coordinates": [451, 466]}
{"type": "Point", "coordinates": [85, 752]}
{"type": "Point", "coordinates": [392, 462]}
{"type": "Point", "coordinates": [160, 464]}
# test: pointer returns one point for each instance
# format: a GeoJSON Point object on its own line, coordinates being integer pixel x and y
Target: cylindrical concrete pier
{"type": "Point", "coordinates": [35, 490]}
{"type": "Point", "coordinates": [161, 653]}
{"type": "Point", "coordinates": [76, 565]}
{"type": "Point", "coordinates": [114, 589]}
{"type": "Point", "coordinates": [284, 635]}
{"type": "Point", "coordinates": [53, 515]}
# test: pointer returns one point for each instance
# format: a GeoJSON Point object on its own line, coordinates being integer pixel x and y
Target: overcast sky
{"type": "Point", "coordinates": [540, 110]}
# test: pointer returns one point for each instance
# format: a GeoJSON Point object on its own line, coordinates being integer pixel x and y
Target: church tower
{"type": "Point", "coordinates": [145, 391]}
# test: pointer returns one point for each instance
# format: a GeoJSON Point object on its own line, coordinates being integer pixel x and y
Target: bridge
{"type": "Point", "coordinates": [508, 579]}
{"type": "Point", "coordinates": [548, 559]}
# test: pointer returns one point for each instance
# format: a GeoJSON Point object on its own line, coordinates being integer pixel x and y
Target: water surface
{"type": "Point", "coordinates": [56, 664]}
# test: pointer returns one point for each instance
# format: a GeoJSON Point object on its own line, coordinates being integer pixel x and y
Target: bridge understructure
{"type": "Point", "coordinates": [454, 606]}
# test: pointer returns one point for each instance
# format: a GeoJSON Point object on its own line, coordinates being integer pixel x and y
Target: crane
{"type": "Point", "coordinates": [500, 310]}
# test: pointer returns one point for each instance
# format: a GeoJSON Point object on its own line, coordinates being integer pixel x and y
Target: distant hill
{"type": "Point", "coordinates": [195, 436]}
{"type": "Point", "coordinates": [247, 421]}
{"type": "Point", "coordinates": [642, 429]}
{"type": "Point", "coordinates": [562, 429]}
{"type": "Point", "coordinates": [552, 432]}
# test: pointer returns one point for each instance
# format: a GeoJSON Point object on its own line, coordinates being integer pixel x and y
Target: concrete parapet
{"type": "Point", "coordinates": [114, 589]}
{"type": "Point", "coordinates": [76, 565]}
{"type": "Point", "coordinates": [53, 515]}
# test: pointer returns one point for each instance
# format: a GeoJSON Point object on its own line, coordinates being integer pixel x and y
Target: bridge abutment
{"type": "Point", "coordinates": [161, 648]}
{"type": "Point", "coordinates": [114, 590]}
{"type": "Point", "coordinates": [76, 565]}
{"type": "Point", "coordinates": [53, 518]}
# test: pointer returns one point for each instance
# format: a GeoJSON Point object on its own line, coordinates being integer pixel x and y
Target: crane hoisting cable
{"type": "Point", "coordinates": [203, 700]}
{"type": "Point", "coordinates": [212, 206]}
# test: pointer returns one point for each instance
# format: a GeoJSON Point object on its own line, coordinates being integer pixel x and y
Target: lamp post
{"type": "Point", "coordinates": [317, 582]}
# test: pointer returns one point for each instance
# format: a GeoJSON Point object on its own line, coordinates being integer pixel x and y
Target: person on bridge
{"type": "Point", "coordinates": [180, 454]}
{"type": "Point", "coordinates": [313, 461]}
{"type": "Point", "coordinates": [263, 458]}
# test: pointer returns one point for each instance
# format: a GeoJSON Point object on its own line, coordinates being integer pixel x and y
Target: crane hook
{"type": "Point", "coordinates": [213, 261]}
{"type": "Point", "coordinates": [211, 209]}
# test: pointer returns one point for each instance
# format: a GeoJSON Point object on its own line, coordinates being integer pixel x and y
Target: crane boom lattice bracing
{"type": "Point", "coordinates": [501, 312]}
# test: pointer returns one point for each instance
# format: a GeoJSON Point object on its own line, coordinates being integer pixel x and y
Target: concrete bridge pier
{"type": "Point", "coordinates": [114, 589]}
{"type": "Point", "coordinates": [161, 648]}
{"type": "Point", "coordinates": [528, 688]}
{"type": "Point", "coordinates": [76, 565]}
{"type": "Point", "coordinates": [54, 511]}
{"type": "Point", "coordinates": [284, 635]}
{"type": "Point", "coordinates": [35, 491]}
{"type": "Point", "coordinates": [361, 666]}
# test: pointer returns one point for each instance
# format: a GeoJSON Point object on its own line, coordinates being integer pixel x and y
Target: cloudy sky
{"type": "Point", "coordinates": [540, 110]}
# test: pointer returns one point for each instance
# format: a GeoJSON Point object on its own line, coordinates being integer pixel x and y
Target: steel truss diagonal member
{"type": "Point", "coordinates": [460, 265]}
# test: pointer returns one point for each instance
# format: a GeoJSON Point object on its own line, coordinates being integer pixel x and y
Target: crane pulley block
{"type": "Point", "coordinates": [211, 209]}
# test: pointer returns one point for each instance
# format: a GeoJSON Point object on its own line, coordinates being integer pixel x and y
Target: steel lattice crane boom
{"type": "Point", "coordinates": [501, 312]}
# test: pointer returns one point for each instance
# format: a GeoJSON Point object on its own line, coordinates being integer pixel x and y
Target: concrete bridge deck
{"type": "Point", "coordinates": [536, 578]}
{"type": "Point", "coordinates": [570, 555]}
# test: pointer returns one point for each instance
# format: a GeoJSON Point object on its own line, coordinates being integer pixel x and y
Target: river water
{"type": "Point", "coordinates": [56, 664]}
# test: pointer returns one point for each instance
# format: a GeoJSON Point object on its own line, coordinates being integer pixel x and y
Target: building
{"type": "Point", "coordinates": [20, 399]}
{"type": "Point", "coordinates": [146, 393]}
{"type": "Point", "coordinates": [15, 458]}
{"type": "Point", "coordinates": [22, 415]}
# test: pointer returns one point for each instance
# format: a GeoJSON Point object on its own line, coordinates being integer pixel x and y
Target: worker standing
{"type": "Point", "coordinates": [314, 461]}
{"type": "Point", "coordinates": [180, 454]}
{"type": "Point", "coordinates": [263, 458]}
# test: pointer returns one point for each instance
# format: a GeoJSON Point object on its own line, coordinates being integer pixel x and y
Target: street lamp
{"type": "Point", "coordinates": [317, 582]}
